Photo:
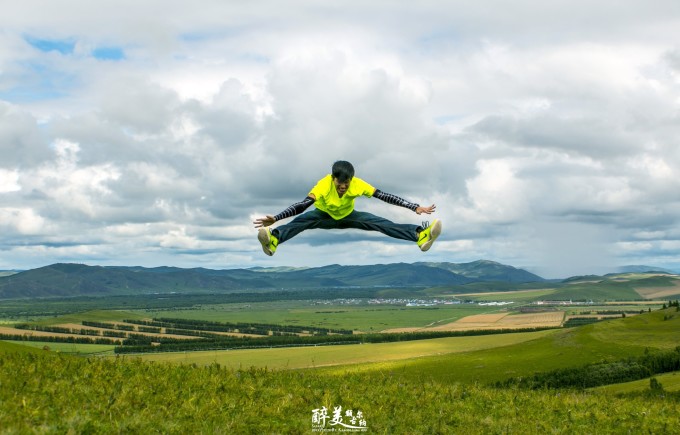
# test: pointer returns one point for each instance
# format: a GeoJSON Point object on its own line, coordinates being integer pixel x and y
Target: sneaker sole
{"type": "Point", "coordinates": [263, 237]}
{"type": "Point", "coordinates": [434, 233]}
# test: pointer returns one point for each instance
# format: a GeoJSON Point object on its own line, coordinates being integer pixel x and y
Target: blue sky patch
{"type": "Point", "coordinates": [39, 81]}
{"type": "Point", "coordinates": [108, 53]}
{"type": "Point", "coordinates": [63, 46]}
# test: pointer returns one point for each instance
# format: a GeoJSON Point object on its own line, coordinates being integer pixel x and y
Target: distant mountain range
{"type": "Point", "coordinates": [66, 279]}
{"type": "Point", "coordinates": [643, 269]}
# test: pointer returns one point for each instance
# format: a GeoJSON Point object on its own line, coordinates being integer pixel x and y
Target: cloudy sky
{"type": "Point", "coordinates": [153, 133]}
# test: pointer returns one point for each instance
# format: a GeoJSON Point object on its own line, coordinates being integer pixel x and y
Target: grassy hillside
{"type": "Point", "coordinates": [7, 347]}
{"type": "Point", "coordinates": [617, 287]}
{"type": "Point", "coordinates": [670, 382]}
{"type": "Point", "coordinates": [69, 348]}
{"type": "Point", "coordinates": [366, 318]}
{"type": "Point", "coordinates": [602, 291]}
{"type": "Point", "coordinates": [485, 359]}
{"type": "Point", "coordinates": [484, 270]}
{"type": "Point", "coordinates": [58, 394]}
{"type": "Point", "coordinates": [658, 329]}
{"type": "Point", "coordinates": [604, 341]}
{"type": "Point", "coordinates": [80, 279]}
{"type": "Point", "coordinates": [444, 392]}
{"type": "Point", "coordinates": [322, 356]}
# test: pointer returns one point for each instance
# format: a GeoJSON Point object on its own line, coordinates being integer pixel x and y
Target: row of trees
{"type": "Point", "coordinates": [59, 339]}
{"type": "Point", "coordinates": [580, 321]}
{"type": "Point", "coordinates": [246, 328]}
{"type": "Point", "coordinates": [122, 331]}
{"type": "Point", "coordinates": [43, 328]}
{"type": "Point", "coordinates": [593, 375]}
{"type": "Point", "coordinates": [227, 343]}
{"type": "Point", "coordinates": [75, 331]}
{"type": "Point", "coordinates": [675, 304]}
{"type": "Point", "coordinates": [108, 325]}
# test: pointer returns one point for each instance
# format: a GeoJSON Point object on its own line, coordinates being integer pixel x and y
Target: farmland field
{"type": "Point", "coordinates": [320, 356]}
{"type": "Point", "coordinates": [479, 358]}
{"type": "Point", "coordinates": [519, 296]}
{"type": "Point", "coordinates": [327, 314]}
{"type": "Point", "coordinates": [427, 386]}
{"type": "Point", "coordinates": [91, 316]}
{"type": "Point", "coordinates": [672, 291]}
{"type": "Point", "coordinates": [609, 340]}
{"type": "Point", "coordinates": [338, 314]}
{"type": "Point", "coordinates": [498, 320]}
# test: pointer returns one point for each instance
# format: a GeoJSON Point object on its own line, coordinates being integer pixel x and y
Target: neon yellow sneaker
{"type": "Point", "coordinates": [427, 236]}
{"type": "Point", "coordinates": [268, 241]}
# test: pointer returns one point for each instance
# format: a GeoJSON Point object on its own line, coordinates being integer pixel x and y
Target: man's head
{"type": "Point", "coordinates": [342, 173]}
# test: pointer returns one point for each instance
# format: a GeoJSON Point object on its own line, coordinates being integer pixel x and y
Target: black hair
{"type": "Point", "coordinates": [343, 171]}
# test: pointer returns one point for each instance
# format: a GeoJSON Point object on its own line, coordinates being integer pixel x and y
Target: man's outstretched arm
{"type": "Point", "coordinates": [292, 210]}
{"type": "Point", "coordinates": [395, 200]}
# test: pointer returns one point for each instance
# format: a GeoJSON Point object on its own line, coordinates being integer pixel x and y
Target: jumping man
{"type": "Point", "coordinates": [334, 197]}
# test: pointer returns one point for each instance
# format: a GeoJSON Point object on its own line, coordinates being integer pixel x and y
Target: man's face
{"type": "Point", "coordinates": [341, 187]}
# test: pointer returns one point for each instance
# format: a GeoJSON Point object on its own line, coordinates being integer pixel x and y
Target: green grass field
{"type": "Point", "coordinates": [92, 316]}
{"type": "Point", "coordinates": [658, 329]}
{"type": "Point", "coordinates": [609, 340]}
{"type": "Point", "coordinates": [428, 386]}
{"type": "Point", "coordinates": [321, 356]}
{"type": "Point", "coordinates": [69, 348]}
{"type": "Point", "coordinates": [520, 297]}
{"type": "Point", "coordinates": [558, 349]}
{"type": "Point", "coordinates": [10, 347]}
{"type": "Point", "coordinates": [123, 395]}
{"type": "Point", "coordinates": [366, 318]}
{"type": "Point", "coordinates": [485, 359]}
{"type": "Point", "coordinates": [363, 317]}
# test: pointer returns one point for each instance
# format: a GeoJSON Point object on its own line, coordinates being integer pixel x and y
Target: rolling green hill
{"type": "Point", "coordinates": [604, 341]}
{"type": "Point", "coordinates": [668, 381]}
{"type": "Point", "coordinates": [447, 393]}
{"type": "Point", "coordinates": [80, 279]}
{"type": "Point", "coordinates": [606, 290]}
{"type": "Point", "coordinates": [614, 287]}
{"type": "Point", "coordinates": [485, 270]}
{"type": "Point", "coordinates": [7, 272]}
{"type": "Point", "coordinates": [60, 280]}
{"type": "Point", "coordinates": [68, 280]}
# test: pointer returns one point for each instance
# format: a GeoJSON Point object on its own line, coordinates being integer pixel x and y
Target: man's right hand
{"type": "Point", "coordinates": [264, 222]}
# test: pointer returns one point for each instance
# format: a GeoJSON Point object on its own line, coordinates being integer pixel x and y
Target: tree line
{"type": "Point", "coordinates": [59, 339]}
{"type": "Point", "coordinates": [229, 343]}
{"type": "Point", "coordinates": [238, 327]}
{"type": "Point", "coordinates": [106, 325]}
{"type": "Point", "coordinates": [594, 375]}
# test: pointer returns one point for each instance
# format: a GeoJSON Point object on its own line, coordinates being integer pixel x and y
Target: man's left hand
{"type": "Point", "coordinates": [426, 210]}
